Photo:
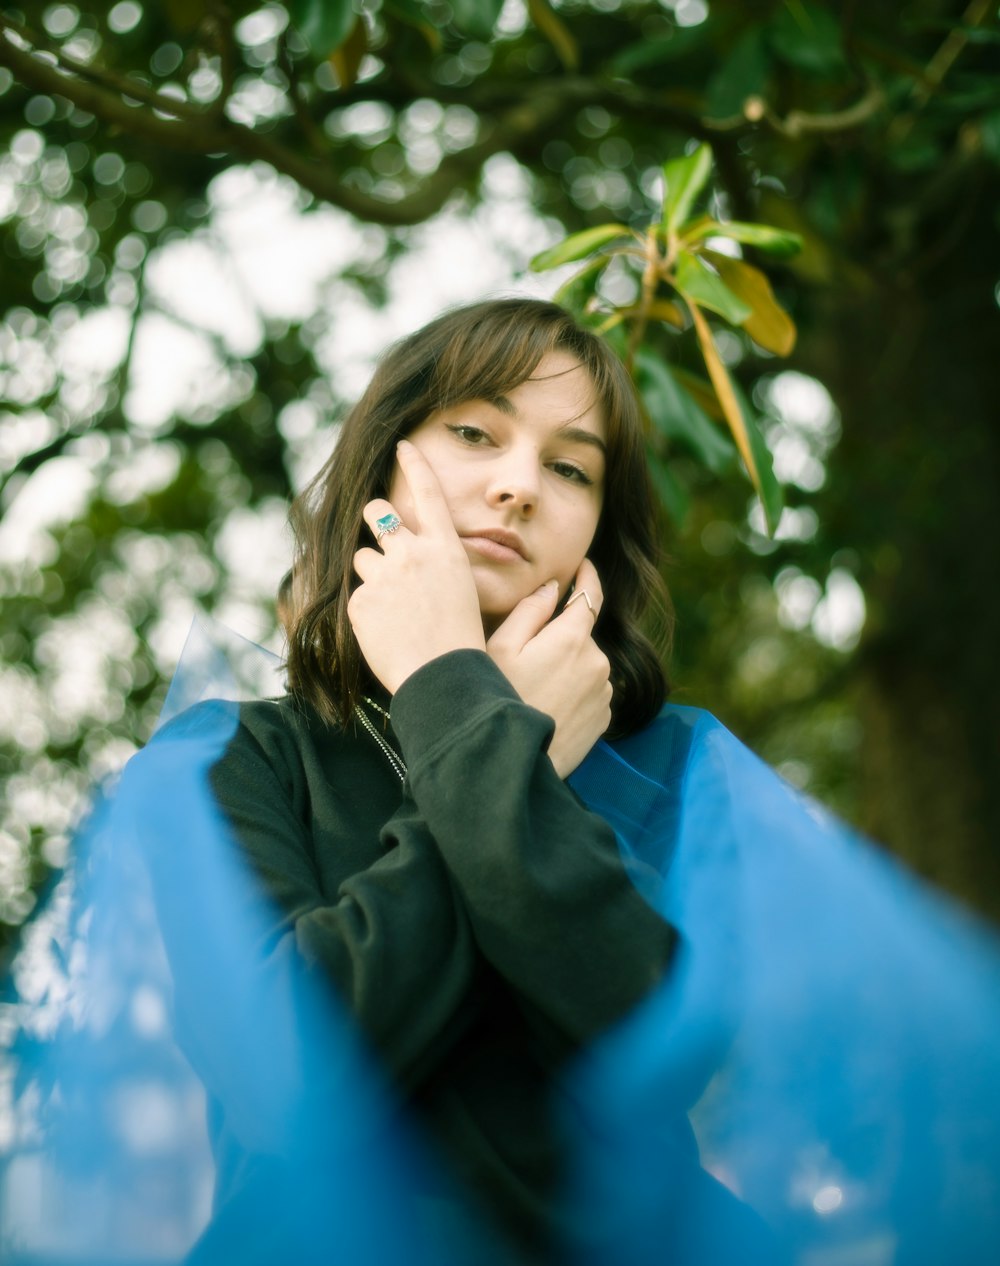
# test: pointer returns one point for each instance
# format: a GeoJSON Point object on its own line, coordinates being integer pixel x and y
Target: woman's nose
{"type": "Point", "coordinates": [515, 482]}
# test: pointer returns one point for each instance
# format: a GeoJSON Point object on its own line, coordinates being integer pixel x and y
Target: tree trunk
{"type": "Point", "coordinates": [914, 366]}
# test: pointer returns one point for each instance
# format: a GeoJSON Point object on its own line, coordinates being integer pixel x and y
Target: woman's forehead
{"type": "Point", "coordinates": [562, 388]}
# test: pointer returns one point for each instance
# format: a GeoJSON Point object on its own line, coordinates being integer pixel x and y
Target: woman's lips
{"type": "Point", "coordinates": [496, 551]}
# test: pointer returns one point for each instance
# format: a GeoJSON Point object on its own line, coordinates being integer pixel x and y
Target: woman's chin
{"type": "Point", "coordinates": [496, 601]}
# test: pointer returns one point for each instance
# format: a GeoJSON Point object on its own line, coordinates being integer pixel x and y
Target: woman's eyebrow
{"type": "Point", "coordinates": [578, 435]}
{"type": "Point", "coordinates": [575, 434]}
{"type": "Point", "coordinates": [505, 405]}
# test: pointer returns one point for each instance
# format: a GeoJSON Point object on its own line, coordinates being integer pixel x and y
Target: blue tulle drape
{"type": "Point", "coordinates": [814, 1082]}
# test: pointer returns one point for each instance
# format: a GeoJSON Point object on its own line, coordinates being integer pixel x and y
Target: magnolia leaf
{"type": "Point", "coordinates": [658, 310]}
{"type": "Point", "coordinates": [696, 281]}
{"type": "Point", "coordinates": [701, 392]}
{"type": "Point", "coordinates": [578, 292]}
{"type": "Point", "coordinates": [613, 319]}
{"type": "Point", "coordinates": [989, 132]}
{"type": "Point", "coordinates": [768, 323]}
{"type": "Point", "coordinates": [680, 43]}
{"type": "Point", "coordinates": [346, 60]}
{"type": "Point", "coordinates": [323, 24]}
{"type": "Point", "coordinates": [684, 179]}
{"type": "Point", "coordinates": [578, 245]}
{"type": "Point", "coordinates": [476, 17]}
{"type": "Point", "coordinates": [555, 31]}
{"type": "Point", "coordinates": [412, 14]}
{"type": "Point", "coordinates": [771, 497]}
{"type": "Point", "coordinates": [674, 499]}
{"type": "Point", "coordinates": [719, 376]}
{"type": "Point", "coordinates": [807, 35]}
{"type": "Point", "coordinates": [739, 415]}
{"type": "Point", "coordinates": [780, 242]}
{"type": "Point", "coordinates": [701, 226]}
{"type": "Point", "coordinates": [617, 340]}
{"type": "Point", "coordinates": [667, 310]}
{"type": "Point", "coordinates": [677, 416]}
{"type": "Point", "coordinates": [743, 73]}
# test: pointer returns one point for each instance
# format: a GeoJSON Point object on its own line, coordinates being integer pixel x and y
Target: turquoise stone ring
{"type": "Point", "coordinates": [387, 525]}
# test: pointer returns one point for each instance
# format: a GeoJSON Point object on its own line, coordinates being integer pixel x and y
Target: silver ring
{"type": "Point", "coordinates": [582, 593]}
{"type": "Point", "coordinates": [385, 526]}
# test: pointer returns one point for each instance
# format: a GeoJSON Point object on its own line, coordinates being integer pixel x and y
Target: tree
{"type": "Point", "coordinates": [871, 132]}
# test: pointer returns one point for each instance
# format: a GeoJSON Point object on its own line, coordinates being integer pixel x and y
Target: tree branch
{"type": "Point", "coordinates": [514, 113]}
{"type": "Point", "coordinates": [798, 122]}
{"type": "Point", "coordinates": [318, 141]}
{"type": "Point", "coordinates": [947, 54]}
{"type": "Point", "coordinates": [127, 86]}
{"type": "Point", "coordinates": [533, 108]}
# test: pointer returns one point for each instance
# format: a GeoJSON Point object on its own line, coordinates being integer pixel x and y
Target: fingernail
{"type": "Point", "coordinates": [549, 584]}
{"type": "Point", "coordinates": [404, 444]}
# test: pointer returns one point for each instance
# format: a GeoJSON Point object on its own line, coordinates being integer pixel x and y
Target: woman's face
{"type": "Point", "coordinates": [523, 477]}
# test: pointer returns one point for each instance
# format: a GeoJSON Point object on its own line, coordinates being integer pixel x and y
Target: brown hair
{"type": "Point", "coordinates": [479, 352]}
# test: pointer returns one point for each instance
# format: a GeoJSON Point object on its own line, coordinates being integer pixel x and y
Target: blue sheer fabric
{"type": "Point", "coordinates": [825, 1047]}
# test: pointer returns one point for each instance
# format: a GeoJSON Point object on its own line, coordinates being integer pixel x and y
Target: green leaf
{"type": "Point", "coordinates": [768, 324]}
{"type": "Point", "coordinates": [346, 59]}
{"type": "Point", "coordinates": [742, 74]}
{"type": "Point", "coordinates": [772, 498]}
{"type": "Point", "coordinates": [674, 499]}
{"type": "Point", "coordinates": [807, 36]}
{"type": "Point", "coordinates": [578, 245]}
{"type": "Point", "coordinates": [695, 280]}
{"type": "Point", "coordinates": [576, 293]}
{"type": "Point", "coordinates": [617, 339]}
{"type": "Point", "coordinates": [555, 30]}
{"type": "Point", "coordinates": [476, 17]}
{"type": "Point", "coordinates": [677, 417]}
{"type": "Point", "coordinates": [411, 13]}
{"type": "Point", "coordinates": [323, 24]}
{"type": "Point", "coordinates": [972, 34]}
{"type": "Point", "coordinates": [989, 130]}
{"type": "Point", "coordinates": [918, 152]}
{"type": "Point", "coordinates": [684, 179]}
{"type": "Point", "coordinates": [723, 385]}
{"type": "Point", "coordinates": [779, 242]}
{"type": "Point", "coordinates": [659, 51]}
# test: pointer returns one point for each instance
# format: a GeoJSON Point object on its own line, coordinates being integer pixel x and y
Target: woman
{"type": "Point", "coordinates": [472, 563]}
{"type": "Point", "coordinates": [428, 820]}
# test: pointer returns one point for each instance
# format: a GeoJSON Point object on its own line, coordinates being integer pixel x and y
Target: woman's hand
{"type": "Point", "coordinates": [418, 598]}
{"type": "Point", "coordinates": [557, 667]}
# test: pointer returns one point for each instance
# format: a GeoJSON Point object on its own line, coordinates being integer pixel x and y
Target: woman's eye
{"type": "Point", "coordinates": [567, 470]}
{"type": "Point", "coordinates": [469, 434]}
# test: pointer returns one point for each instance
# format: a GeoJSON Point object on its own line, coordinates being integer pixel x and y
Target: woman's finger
{"type": "Point", "coordinates": [584, 598]}
{"type": "Point", "coordinates": [365, 562]}
{"type": "Point", "coordinates": [527, 619]}
{"type": "Point", "coordinates": [587, 595]}
{"type": "Point", "coordinates": [429, 505]}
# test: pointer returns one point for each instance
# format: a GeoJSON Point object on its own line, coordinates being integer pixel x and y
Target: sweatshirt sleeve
{"type": "Point", "coordinates": [394, 938]}
{"type": "Point", "coordinates": [549, 900]}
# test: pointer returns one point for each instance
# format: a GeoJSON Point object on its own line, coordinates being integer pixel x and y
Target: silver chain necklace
{"type": "Point", "coordinates": [393, 757]}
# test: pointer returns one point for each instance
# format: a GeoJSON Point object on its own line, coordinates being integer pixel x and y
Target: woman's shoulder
{"type": "Point", "coordinates": [284, 723]}
{"type": "Point", "coordinates": [665, 744]}
{"type": "Point", "coordinates": [272, 725]}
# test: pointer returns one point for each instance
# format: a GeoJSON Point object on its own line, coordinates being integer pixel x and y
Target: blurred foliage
{"type": "Point", "coordinates": [870, 132]}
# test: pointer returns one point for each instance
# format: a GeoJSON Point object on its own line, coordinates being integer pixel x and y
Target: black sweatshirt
{"type": "Point", "coordinates": [477, 920]}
